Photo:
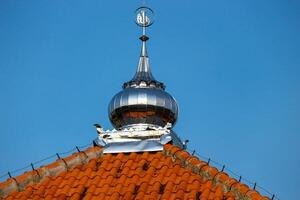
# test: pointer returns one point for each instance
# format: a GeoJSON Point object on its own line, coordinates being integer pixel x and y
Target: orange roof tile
{"type": "Point", "coordinates": [170, 174]}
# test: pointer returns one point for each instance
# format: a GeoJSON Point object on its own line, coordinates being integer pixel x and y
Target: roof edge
{"type": "Point", "coordinates": [237, 189]}
{"type": "Point", "coordinates": [17, 184]}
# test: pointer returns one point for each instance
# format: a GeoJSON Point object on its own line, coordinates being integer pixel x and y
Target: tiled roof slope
{"type": "Point", "coordinates": [170, 174]}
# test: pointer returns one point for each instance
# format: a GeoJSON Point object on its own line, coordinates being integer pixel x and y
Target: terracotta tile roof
{"type": "Point", "coordinates": [170, 174]}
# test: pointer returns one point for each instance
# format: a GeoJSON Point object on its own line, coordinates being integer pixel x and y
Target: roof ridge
{"type": "Point", "coordinates": [221, 178]}
{"type": "Point", "coordinates": [178, 157]}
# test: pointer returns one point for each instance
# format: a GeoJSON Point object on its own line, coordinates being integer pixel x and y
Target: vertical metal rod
{"type": "Point", "coordinates": [240, 178]}
{"type": "Point", "coordinates": [58, 156]}
{"type": "Point", "coordinates": [32, 166]}
{"type": "Point", "coordinates": [78, 149]}
{"type": "Point", "coordinates": [9, 174]}
{"type": "Point", "coordinates": [193, 152]}
{"type": "Point", "coordinates": [208, 161]}
{"type": "Point", "coordinates": [223, 168]}
{"type": "Point", "coordinates": [144, 30]}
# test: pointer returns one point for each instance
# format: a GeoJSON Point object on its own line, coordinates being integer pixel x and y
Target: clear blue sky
{"type": "Point", "coordinates": [233, 67]}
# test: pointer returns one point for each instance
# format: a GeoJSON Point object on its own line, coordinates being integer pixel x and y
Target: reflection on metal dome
{"type": "Point", "coordinates": [133, 106]}
{"type": "Point", "coordinates": [143, 101]}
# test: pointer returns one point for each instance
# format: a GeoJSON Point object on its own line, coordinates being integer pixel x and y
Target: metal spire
{"type": "Point", "coordinates": [143, 70]}
{"type": "Point", "coordinates": [143, 76]}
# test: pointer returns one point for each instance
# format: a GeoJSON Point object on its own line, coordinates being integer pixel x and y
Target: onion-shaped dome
{"type": "Point", "coordinates": [136, 106]}
{"type": "Point", "coordinates": [143, 100]}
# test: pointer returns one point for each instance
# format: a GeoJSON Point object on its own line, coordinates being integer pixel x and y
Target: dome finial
{"type": "Point", "coordinates": [143, 76]}
{"type": "Point", "coordinates": [144, 19]}
{"type": "Point", "coordinates": [143, 102]}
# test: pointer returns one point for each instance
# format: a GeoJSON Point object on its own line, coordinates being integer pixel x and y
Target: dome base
{"type": "Point", "coordinates": [142, 114]}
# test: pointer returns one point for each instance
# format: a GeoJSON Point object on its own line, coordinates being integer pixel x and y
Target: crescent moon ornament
{"type": "Point", "coordinates": [144, 16]}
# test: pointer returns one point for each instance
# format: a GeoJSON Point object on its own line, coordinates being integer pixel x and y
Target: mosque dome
{"type": "Point", "coordinates": [143, 100]}
{"type": "Point", "coordinates": [142, 106]}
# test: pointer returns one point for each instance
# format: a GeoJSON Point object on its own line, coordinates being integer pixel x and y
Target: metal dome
{"type": "Point", "coordinates": [143, 100]}
{"type": "Point", "coordinates": [142, 106]}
